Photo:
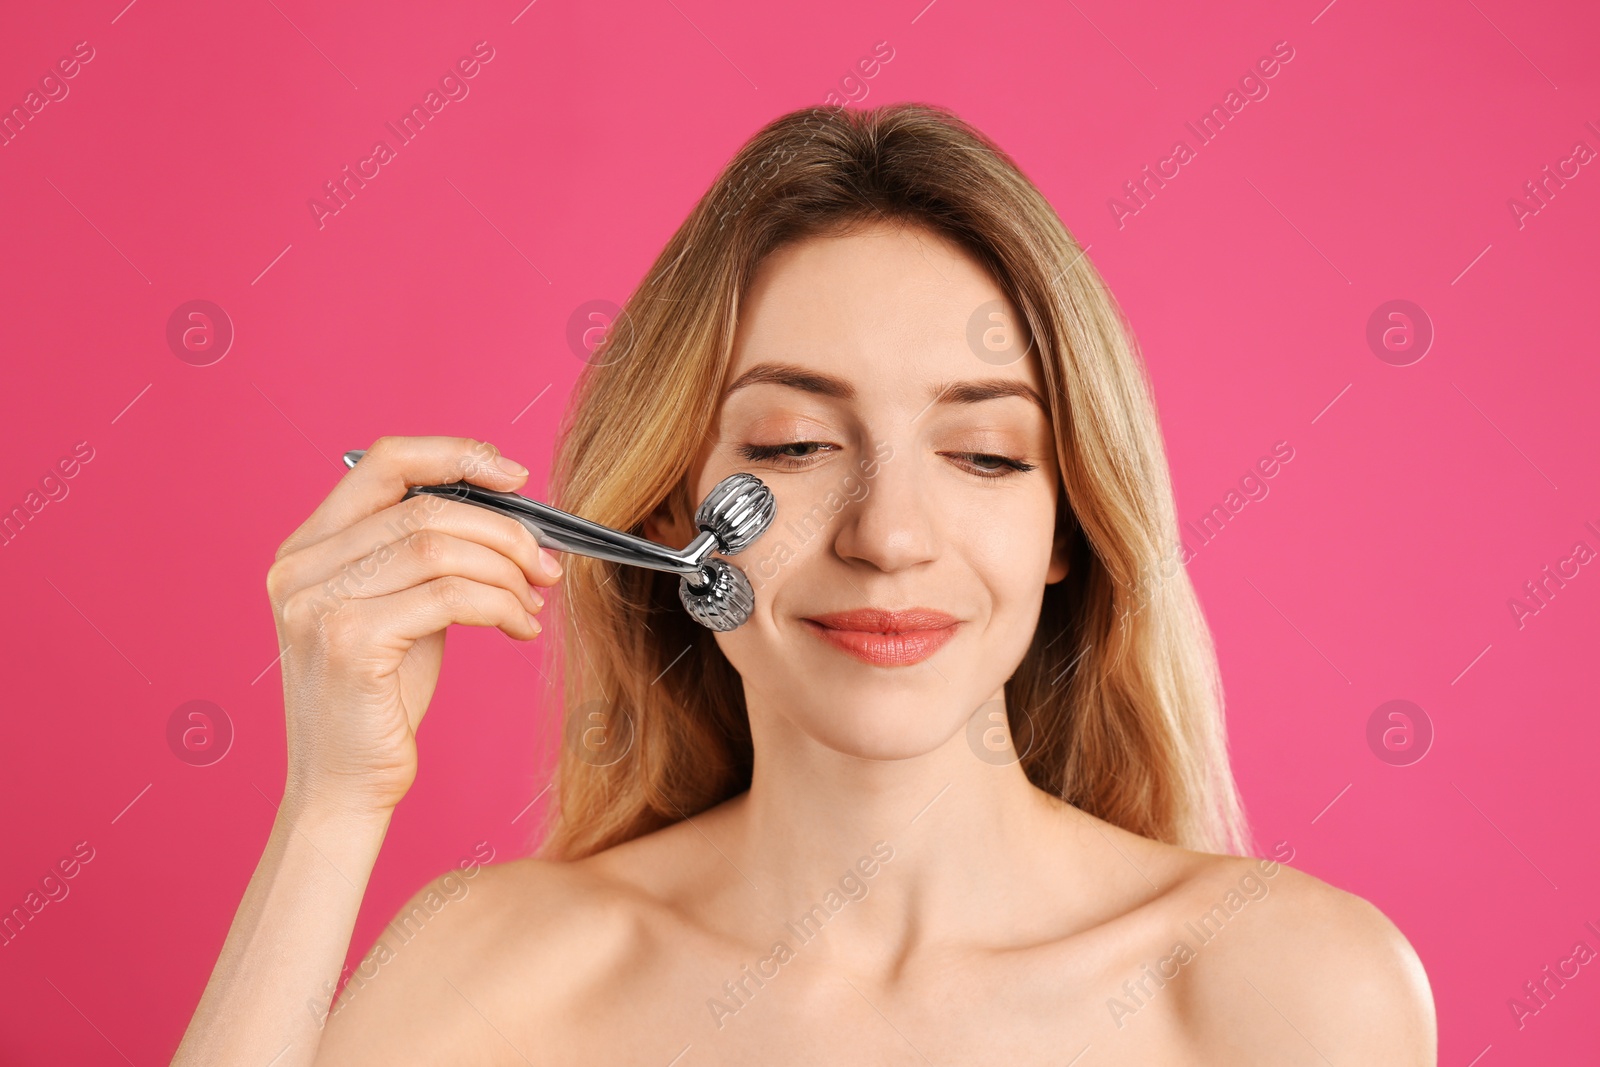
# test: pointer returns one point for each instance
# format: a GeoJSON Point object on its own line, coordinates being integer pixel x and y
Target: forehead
{"type": "Point", "coordinates": [887, 307]}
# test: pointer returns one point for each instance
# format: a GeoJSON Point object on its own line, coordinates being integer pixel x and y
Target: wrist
{"type": "Point", "coordinates": [310, 809]}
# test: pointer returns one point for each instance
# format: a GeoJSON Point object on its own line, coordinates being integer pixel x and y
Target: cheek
{"type": "Point", "coordinates": [803, 527]}
{"type": "Point", "coordinates": [1008, 550]}
{"type": "Point", "coordinates": [772, 565]}
{"type": "Point", "coordinates": [741, 648]}
{"type": "Point", "coordinates": [769, 562]}
{"type": "Point", "coordinates": [1013, 582]}
{"type": "Point", "coordinates": [1009, 542]}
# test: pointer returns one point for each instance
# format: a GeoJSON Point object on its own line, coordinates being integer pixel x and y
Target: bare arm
{"type": "Point", "coordinates": [270, 991]}
{"type": "Point", "coordinates": [362, 594]}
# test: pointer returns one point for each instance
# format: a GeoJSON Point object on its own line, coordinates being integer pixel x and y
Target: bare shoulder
{"type": "Point", "coordinates": [1287, 968]}
{"type": "Point", "coordinates": [477, 955]}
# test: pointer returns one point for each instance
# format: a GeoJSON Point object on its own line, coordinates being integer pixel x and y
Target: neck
{"type": "Point", "coordinates": [953, 844]}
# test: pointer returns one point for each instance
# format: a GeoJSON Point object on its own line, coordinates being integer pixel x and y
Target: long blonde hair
{"type": "Point", "coordinates": [1118, 696]}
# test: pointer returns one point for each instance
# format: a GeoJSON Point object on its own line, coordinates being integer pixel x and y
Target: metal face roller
{"type": "Point", "coordinates": [714, 592]}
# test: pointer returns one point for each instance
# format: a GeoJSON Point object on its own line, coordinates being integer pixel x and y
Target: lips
{"type": "Point", "coordinates": [885, 638]}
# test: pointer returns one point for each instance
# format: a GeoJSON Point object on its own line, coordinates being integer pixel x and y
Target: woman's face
{"type": "Point", "coordinates": [910, 472]}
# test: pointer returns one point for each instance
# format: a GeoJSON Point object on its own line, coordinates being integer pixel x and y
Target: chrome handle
{"type": "Point", "coordinates": [738, 510]}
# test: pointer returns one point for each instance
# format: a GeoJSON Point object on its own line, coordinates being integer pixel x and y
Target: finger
{"type": "Point", "coordinates": [352, 557]}
{"type": "Point", "coordinates": [411, 614]}
{"type": "Point", "coordinates": [390, 467]}
{"type": "Point", "coordinates": [423, 556]}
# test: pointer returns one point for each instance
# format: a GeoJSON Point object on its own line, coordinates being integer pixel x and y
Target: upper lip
{"type": "Point", "coordinates": [879, 621]}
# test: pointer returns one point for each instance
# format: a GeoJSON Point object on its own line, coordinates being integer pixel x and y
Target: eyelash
{"type": "Point", "coordinates": [760, 453]}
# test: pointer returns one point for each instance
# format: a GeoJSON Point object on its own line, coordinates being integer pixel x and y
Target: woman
{"type": "Point", "coordinates": [958, 792]}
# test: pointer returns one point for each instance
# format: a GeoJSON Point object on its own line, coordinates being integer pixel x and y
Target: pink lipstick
{"type": "Point", "coordinates": [885, 638]}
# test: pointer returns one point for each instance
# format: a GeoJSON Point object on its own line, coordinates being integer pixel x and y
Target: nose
{"type": "Point", "coordinates": [894, 523]}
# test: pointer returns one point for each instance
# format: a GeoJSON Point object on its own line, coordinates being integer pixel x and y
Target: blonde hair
{"type": "Point", "coordinates": [1119, 690]}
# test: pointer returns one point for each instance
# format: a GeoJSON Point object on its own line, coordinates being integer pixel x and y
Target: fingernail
{"type": "Point", "coordinates": [536, 627]}
{"type": "Point", "coordinates": [548, 562]}
{"type": "Point", "coordinates": [538, 601]}
{"type": "Point", "coordinates": [510, 466]}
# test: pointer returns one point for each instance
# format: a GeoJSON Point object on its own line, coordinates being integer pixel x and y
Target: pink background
{"type": "Point", "coordinates": [1419, 500]}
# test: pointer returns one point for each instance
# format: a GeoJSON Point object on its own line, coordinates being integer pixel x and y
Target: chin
{"type": "Point", "coordinates": [898, 727]}
{"type": "Point", "coordinates": [855, 709]}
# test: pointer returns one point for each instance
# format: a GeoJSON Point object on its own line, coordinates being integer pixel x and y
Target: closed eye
{"type": "Point", "coordinates": [1007, 464]}
{"type": "Point", "coordinates": [761, 453]}
{"type": "Point", "coordinates": [1004, 466]}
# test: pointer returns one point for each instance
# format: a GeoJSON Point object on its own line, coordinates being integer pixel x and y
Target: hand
{"type": "Point", "coordinates": [362, 593]}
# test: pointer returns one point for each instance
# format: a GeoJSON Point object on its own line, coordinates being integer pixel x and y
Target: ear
{"type": "Point", "coordinates": [1060, 550]}
{"type": "Point", "coordinates": [665, 527]}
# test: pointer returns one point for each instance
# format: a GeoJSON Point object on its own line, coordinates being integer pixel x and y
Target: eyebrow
{"type": "Point", "coordinates": [810, 381]}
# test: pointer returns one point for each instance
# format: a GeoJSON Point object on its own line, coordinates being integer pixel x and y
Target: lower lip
{"type": "Point", "coordinates": [885, 650]}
